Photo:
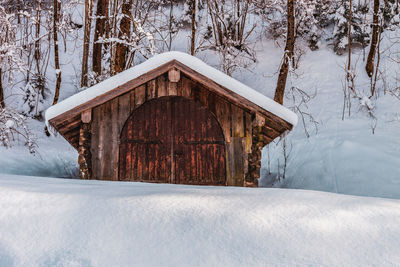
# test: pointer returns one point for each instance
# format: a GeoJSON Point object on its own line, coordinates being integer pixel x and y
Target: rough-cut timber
{"type": "Point", "coordinates": [171, 125]}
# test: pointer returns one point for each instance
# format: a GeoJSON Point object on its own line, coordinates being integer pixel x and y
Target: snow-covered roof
{"type": "Point", "coordinates": [158, 60]}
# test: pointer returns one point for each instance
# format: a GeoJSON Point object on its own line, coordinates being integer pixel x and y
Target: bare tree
{"type": "Point", "coordinates": [288, 54]}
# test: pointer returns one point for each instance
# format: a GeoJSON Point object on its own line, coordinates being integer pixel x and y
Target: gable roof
{"type": "Point", "coordinates": [124, 81]}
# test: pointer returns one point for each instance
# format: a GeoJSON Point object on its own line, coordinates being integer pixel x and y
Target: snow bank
{"type": "Point", "coordinates": [57, 222]}
{"type": "Point", "coordinates": [158, 60]}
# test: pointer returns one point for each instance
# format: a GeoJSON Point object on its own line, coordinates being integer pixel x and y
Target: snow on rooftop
{"type": "Point", "coordinates": [158, 60]}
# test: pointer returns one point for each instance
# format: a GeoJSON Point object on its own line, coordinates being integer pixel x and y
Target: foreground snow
{"type": "Point", "coordinates": [58, 222]}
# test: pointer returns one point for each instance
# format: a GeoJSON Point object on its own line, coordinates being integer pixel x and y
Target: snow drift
{"type": "Point", "coordinates": [58, 222]}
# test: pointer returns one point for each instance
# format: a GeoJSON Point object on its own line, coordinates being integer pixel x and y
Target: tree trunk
{"type": "Point", "coordinates": [86, 40]}
{"type": "Point", "coordinates": [288, 54]}
{"type": "Point", "coordinates": [101, 17]}
{"type": "Point", "coordinates": [124, 34]}
{"type": "Point", "coordinates": [193, 38]}
{"type": "Point", "coordinates": [56, 55]}
{"type": "Point", "coordinates": [374, 41]}
{"type": "Point", "coordinates": [2, 105]}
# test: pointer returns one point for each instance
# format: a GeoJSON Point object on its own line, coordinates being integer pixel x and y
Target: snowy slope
{"type": "Point", "coordinates": [57, 222]}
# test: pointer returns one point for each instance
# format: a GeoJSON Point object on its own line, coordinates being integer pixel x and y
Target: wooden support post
{"type": "Point", "coordinates": [84, 157]}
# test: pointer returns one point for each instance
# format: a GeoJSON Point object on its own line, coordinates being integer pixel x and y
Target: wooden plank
{"type": "Point", "coordinates": [69, 121]}
{"type": "Point", "coordinates": [95, 146]}
{"type": "Point", "coordinates": [248, 131]}
{"type": "Point", "coordinates": [203, 95]}
{"type": "Point", "coordinates": [161, 86]}
{"type": "Point", "coordinates": [174, 75]}
{"type": "Point", "coordinates": [172, 88]}
{"type": "Point", "coordinates": [185, 87]}
{"type": "Point", "coordinates": [230, 164]}
{"type": "Point", "coordinates": [124, 110]}
{"type": "Point", "coordinates": [238, 166]}
{"type": "Point", "coordinates": [107, 170]}
{"type": "Point", "coordinates": [237, 121]}
{"type": "Point", "coordinates": [132, 101]}
{"type": "Point", "coordinates": [140, 95]}
{"type": "Point", "coordinates": [114, 139]}
{"type": "Point", "coordinates": [223, 113]}
{"type": "Point", "coordinates": [70, 126]}
{"type": "Point", "coordinates": [211, 102]}
{"type": "Point", "coordinates": [151, 89]}
{"type": "Point", "coordinates": [271, 133]}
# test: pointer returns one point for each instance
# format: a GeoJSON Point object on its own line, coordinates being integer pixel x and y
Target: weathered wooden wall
{"type": "Point", "coordinates": [108, 120]}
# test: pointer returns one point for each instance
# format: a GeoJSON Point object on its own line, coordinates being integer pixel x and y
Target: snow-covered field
{"type": "Point", "coordinates": [61, 222]}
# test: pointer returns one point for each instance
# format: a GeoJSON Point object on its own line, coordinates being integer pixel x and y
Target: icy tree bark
{"type": "Point", "coordinates": [101, 17]}
{"type": "Point", "coordinates": [288, 54]}
{"type": "Point", "coordinates": [374, 41]}
{"type": "Point", "coordinates": [124, 34]}
{"type": "Point", "coordinates": [86, 40]}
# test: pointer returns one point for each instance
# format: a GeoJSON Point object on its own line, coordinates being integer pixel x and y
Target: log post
{"type": "Point", "coordinates": [84, 155]}
{"type": "Point", "coordinates": [259, 140]}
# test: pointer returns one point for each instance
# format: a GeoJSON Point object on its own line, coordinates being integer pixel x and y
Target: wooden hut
{"type": "Point", "coordinates": [171, 119]}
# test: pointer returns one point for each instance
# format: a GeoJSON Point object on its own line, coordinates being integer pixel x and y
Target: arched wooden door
{"type": "Point", "coordinates": [172, 140]}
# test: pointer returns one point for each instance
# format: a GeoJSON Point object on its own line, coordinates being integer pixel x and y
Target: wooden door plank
{"type": "Point", "coordinates": [162, 86]}
{"type": "Point", "coordinates": [114, 138]}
